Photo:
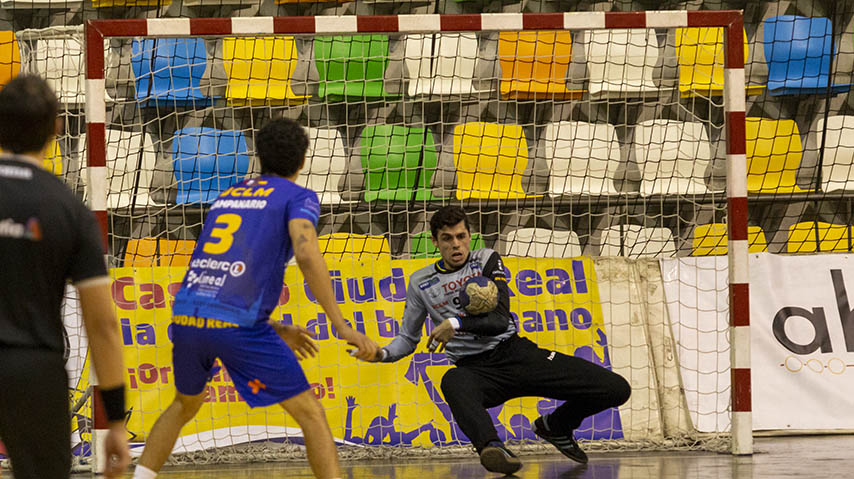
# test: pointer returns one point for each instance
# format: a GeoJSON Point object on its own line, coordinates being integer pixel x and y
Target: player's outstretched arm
{"type": "Point", "coordinates": [313, 267]}
{"type": "Point", "coordinates": [102, 330]}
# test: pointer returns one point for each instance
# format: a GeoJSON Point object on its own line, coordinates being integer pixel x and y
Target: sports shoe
{"type": "Point", "coordinates": [565, 444]}
{"type": "Point", "coordinates": [497, 458]}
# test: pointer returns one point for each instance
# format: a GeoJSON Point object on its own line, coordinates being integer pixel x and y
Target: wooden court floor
{"type": "Point", "coordinates": [779, 457]}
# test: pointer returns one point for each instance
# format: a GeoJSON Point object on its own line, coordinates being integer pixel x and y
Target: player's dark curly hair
{"type": "Point", "coordinates": [28, 110]}
{"type": "Point", "coordinates": [281, 146]}
{"type": "Point", "coordinates": [447, 216]}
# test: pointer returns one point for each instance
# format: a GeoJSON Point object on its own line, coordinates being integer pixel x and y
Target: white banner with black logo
{"type": "Point", "coordinates": [802, 328]}
{"type": "Point", "coordinates": [802, 339]}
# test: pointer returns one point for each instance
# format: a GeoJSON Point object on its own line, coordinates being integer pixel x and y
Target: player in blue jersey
{"type": "Point", "coordinates": [233, 284]}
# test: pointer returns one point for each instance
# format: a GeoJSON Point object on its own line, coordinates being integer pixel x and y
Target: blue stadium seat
{"type": "Point", "coordinates": [168, 71]}
{"type": "Point", "coordinates": [207, 161]}
{"type": "Point", "coordinates": [798, 52]}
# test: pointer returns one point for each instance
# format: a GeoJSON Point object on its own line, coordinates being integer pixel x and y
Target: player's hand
{"type": "Point", "coordinates": [366, 349]}
{"type": "Point", "coordinates": [298, 339]}
{"type": "Point", "coordinates": [116, 450]}
{"type": "Point", "coordinates": [440, 335]}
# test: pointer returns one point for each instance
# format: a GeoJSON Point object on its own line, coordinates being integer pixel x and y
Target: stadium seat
{"type": "Point", "coordinates": [837, 165]}
{"type": "Point", "coordinates": [672, 156]}
{"type": "Point", "coordinates": [583, 158]}
{"type": "Point", "coordinates": [421, 245]}
{"type": "Point", "coordinates": [637, 242]}
{"type": "Point", "coordinates": [359, 247]}
{"type": "Point", "coordinates": [130, 3]}
{"type": "Point", "coordinates": [711, 240]}
{"type": "Point", "coordinates": [258, 70]}
{"type": "Point", "coordinates": [798, 53]}
{"type": "Point", "coordinates": [173, 76]}
{"type": "Point", "coordinates": [490, 160]}
{"type": "Point", "coordinates": [831, 237]}
{"type": "Point", "coordinates": [279, 2]}
{"type": "Point", "coordinates": [773, 155]}
{"type": "Point", "coordinates": [217, 3]}
{"type": "Point", "coordinates": [130, 164]}
{"type": "Point", "coordinates": [60, 62]}
{"type": "Point", "coordinates": [148, 252]}
{"type": "Point", "coordinates": [141, 253]}
{"type": "Point", "coordinates": [701, 62]}
{"type": "Point", "coordinates": [351, 66]}
{"type": "Point", "coordinates": [535, 64]}
{"type": "Point", "coordinates": [440, 64]}
{"type": "Point", "coordinates": [207, 161]}
{"type": "Point", "coordinates": [53, 159]}
{"type": "Point", "coordinates": [10, 57]}
{"type": "Point", "coordinates": [542, 243]}
{"type": "Point", "coordinates": [325, 165]}
{"type": "Point", "coordinates": [621, 62]}
{"type": "Point", "coordinates": [36, 4]}
{"type": "Point", "coordinates": [395, 158]}
{"type": "Point", "coordinates": [176, 252]}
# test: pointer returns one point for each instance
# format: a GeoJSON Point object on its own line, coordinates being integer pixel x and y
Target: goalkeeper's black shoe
{"type": "Point", "coordinates": [565, 444]}
{"type": "Point", "coordinates": [497, 458]}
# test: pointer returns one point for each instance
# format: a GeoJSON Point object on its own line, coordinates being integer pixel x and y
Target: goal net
{"type": "Point", "coordinates": [591, 150]}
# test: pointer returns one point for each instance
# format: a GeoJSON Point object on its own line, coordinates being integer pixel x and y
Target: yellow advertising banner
{"type": "Point", "coordinates": [555, 302]}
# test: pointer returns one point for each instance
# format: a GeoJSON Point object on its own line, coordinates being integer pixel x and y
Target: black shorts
{"type": "Point", "coordinates": [35, 422]}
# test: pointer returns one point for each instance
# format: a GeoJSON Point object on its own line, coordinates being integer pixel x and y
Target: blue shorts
{"type": "Point", "coordinates": [263, 368]}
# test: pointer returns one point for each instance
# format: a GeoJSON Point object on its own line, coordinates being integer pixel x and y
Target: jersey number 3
{"type": "Point", "coordinates": [222, 236]}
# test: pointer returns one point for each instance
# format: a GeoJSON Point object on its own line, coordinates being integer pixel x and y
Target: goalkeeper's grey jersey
{"type": "Point", "coordinates": [433, 292]}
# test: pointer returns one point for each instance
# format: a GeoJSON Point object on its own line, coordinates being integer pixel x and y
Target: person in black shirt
{"type": "Point", "coordinates": [48, 237]}
{"type": "Point", "coordinates": [493, 363]}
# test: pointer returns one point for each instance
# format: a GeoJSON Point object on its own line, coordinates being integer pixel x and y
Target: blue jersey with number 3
{"type": "Point", "coordinates": [238, 267]}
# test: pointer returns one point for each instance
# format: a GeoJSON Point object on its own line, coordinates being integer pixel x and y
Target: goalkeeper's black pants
{"type": "Point", "coordinates": [35, 422]}
{"type": "Point", "coordinates": [517, 367]}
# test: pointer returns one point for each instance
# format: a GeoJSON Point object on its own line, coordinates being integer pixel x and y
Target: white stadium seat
{"type": "Point", "coordinates": [837, 166]}
{"type": "Point", "coordinates": [583, 157]}
{"type": "Point", "coordinates": [326, 163]}
{"type": "Point", "coordinates": [543, 243]}
{"type": "Point", "coordinates": [672, 157]}
{"type": "Point", "coordinates": [621, 62]}
{"type": "Point", "coordinates": [638, 242]}
{"type": "Point", "coordinates": [450, 71]}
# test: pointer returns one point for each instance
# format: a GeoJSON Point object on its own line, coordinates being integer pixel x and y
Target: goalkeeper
{"type": "Point", "coordinates": [493, 363]}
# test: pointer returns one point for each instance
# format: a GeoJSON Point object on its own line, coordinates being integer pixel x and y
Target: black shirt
{"type": "Point", "coordinates": [47, 237]}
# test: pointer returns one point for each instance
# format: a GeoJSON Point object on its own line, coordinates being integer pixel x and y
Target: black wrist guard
{"type": "Point", "coordinates": [114, 403]}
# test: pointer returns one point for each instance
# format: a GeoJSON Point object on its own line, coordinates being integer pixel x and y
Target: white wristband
{"type": "Point", "coordinates": [455, 322]}
{"type": "Point", "coordinates": [385, 354]}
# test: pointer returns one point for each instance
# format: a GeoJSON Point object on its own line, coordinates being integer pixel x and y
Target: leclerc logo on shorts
{"type": "Point", "coordinates": [235, 269]}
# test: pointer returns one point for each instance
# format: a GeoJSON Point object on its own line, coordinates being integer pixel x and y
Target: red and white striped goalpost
{"type": "Point", "coordinates": [734, 105]}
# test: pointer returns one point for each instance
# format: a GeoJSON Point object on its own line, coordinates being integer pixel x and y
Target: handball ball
{"type": "Point", "coordinates": [479, 295]}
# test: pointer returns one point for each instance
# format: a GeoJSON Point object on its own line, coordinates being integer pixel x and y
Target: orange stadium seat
{"type": "Point", "coordinates": [10, 57]}
{"type": "Point", "coordinates": [535, 64]}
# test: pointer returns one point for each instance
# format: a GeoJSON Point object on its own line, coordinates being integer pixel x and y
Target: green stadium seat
{"type": "Point", "coordinates": [394, 159]}
{"type": "Point", "coordinates": [351, 66]}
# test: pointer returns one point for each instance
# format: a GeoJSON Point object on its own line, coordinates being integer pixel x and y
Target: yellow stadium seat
{"type": "Point", "coordinates": [53, 159]}
{"type": "Point", "coordinates": [701, 62]}
{"type": "Point", "coordinates": [774, 154]}
{"type": "Point", "coordinates": [535, 64]}
{"type": "Point", "coordinates": [130, 3]}
{"type": "Point", "coordinates": [711, 240]}
{"type": "Point", "coordinates": [148, 252]}
{"type": "Point", "coordinates": [341, 245]}
{"type": "Point", "coordinates": [490, 160]}
{"type": "Point", "coordinates": [259, 70]}
{"type": "Point", "coordinates": [831, 237]}
{"type": "Point", "coordinates": [10, 57]}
